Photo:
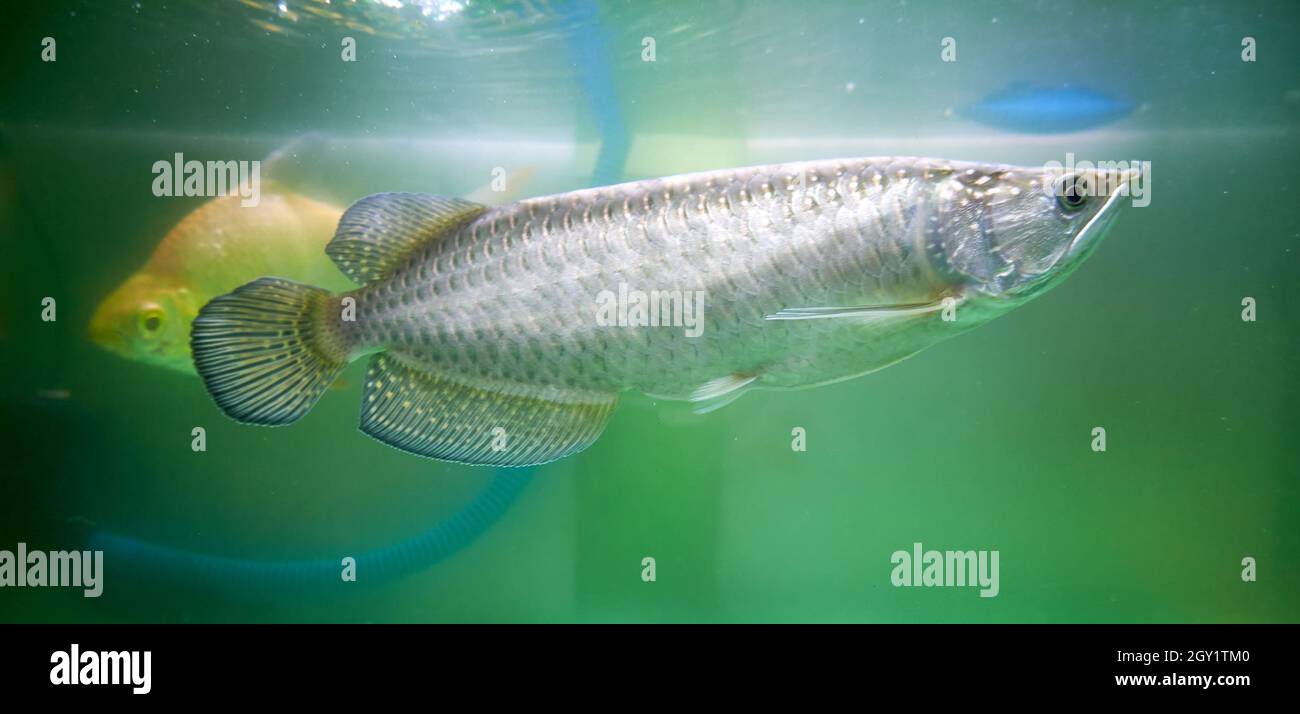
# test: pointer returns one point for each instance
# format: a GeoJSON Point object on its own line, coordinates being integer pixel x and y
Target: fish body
{"type": "Point", "coordinates": [1033, 109]}
{"type": "Point", "coordinates": [513, 295]}
{"type": "Point", "coordinates": [491, 332]}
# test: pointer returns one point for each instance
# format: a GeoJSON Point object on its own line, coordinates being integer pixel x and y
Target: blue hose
{"type": "Point", "coordinates": [145, 560]}
{"type": "Point", "coordinates": [591, 59]}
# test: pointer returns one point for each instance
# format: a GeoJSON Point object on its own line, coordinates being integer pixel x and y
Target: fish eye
{"type": "Point", "coordinates": [1072, 192]}
{"type": "Point", "coordinates": [151, 320]}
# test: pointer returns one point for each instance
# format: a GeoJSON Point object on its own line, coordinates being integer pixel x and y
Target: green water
{"type": "Point", "coordinates": [981, 443]}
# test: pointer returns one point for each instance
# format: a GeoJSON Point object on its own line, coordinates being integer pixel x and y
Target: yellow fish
{"type": "Point", "coordinates": [216, 248]}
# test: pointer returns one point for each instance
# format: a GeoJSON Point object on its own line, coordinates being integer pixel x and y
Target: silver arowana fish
{"type": "Point", "coordinates": [488, 333]}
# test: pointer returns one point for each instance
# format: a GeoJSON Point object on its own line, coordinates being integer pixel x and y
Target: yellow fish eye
{"type": "Point", "coordinates": [151, 321]}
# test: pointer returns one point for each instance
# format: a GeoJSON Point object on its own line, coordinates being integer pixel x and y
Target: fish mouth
{"type": "Point", "coordinates": [1092, 233]}
{"type": "Point", "coordinates": [103, 334]}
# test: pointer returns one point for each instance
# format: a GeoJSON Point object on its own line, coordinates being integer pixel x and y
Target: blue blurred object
{"type": "Point", "coordinates": [591, 60]}
{"type": "Point", "coordinates": [1035, 109]}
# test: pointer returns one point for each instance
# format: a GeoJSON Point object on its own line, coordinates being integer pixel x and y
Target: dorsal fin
{"type": "Point", "coordinates": [379, 231]}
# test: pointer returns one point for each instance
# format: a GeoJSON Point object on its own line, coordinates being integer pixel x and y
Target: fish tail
{"type": "Point", "coordinates": [268, 350]}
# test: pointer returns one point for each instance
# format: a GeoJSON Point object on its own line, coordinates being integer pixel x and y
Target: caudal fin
{"type": "Point", "coordinates": [268, 350]}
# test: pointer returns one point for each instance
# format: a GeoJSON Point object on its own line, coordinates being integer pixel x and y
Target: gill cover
{"type": "Point", "coordinates": [1003, 229]}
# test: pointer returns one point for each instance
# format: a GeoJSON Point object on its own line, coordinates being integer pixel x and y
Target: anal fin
{"type": "Point", "coordinates": [475, 422]}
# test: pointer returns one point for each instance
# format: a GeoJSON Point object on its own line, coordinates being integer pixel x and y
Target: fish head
{"type": "Point", "coordinates": [1009, 233]}
{"type": "Point", "coordinates": [147, 320]}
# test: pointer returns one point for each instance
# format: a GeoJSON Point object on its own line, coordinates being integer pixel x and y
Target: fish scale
{"type": "Point", "coordinates": [771, 248]}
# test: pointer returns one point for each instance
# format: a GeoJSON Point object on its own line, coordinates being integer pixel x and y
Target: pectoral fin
{"type": "Point", "coordinates": [861, 312]}
{"type": "Point", "coordinates": [475, 422]}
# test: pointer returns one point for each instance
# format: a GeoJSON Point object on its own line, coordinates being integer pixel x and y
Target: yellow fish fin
{"type": "Point", "coordinates": [475, 421]}
{"type": "Point", "coordinates": [378, 232]}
